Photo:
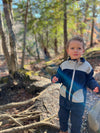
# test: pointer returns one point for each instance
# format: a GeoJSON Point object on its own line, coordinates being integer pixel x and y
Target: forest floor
{"type": "Point", "coordinates": [20, 95]}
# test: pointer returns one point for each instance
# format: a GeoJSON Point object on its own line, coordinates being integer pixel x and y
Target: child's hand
{"type": "Point", "coordinates": [55, 79]}
{"type": "Point", "coordinates": [96, 90]}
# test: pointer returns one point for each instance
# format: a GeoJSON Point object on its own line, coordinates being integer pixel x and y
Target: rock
{"type": "Point", "coordinates": [51, 70]}
{"type": "Point", "coordinates": [38, 84]}
{"type": "Point", "coordinates": [46, 129]}
{"type": "Point", "coordinates": [97, 77]}
{"type": "Point", "coordinates": [94, 119]}
{"type": "Point", "coordinates": [48, 103]}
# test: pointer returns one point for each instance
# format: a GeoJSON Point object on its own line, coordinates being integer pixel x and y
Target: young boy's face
{"type": "Point", "coordinates": [75, 49]}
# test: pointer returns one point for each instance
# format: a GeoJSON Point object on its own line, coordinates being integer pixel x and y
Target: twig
{"type": "Point", "coordinates": [9, 116]}
{"type": "Point", "coordinates": [49, 118]}
{"type": "Point", "coordinates": [28, 117]}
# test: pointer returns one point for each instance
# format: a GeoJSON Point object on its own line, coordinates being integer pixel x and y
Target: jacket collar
{"type": "Point", "coordinates": [82, 60]}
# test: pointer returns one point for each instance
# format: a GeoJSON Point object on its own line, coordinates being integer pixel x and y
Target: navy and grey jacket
{"type": "Point", "coordinates": [75, 77]}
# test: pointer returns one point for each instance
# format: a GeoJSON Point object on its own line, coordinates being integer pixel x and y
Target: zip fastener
{"type": "Point", "coordinates": [72, 81]}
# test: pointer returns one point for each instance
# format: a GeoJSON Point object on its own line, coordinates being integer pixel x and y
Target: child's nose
{"type": "Point", "coordinates": [76, 50]}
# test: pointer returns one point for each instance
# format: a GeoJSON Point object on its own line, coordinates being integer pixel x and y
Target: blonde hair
{"type": "Point", "coordinates": [76, 38]}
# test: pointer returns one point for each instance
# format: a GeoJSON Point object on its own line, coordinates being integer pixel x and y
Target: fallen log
{"type": "Point", "coordinates": [29, 126]}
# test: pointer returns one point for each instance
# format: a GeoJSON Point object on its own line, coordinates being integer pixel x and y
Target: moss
{"type": "Point", "coordinates": [3, 80]}
{"type": "Point", "coordinates": [37, 73]}
{"type": "Point", "coordinates": [49, 62]}
{"type": "Point", "coordinates": [29, 73]}
{"type": "Point", "coordinates": [26, 72]}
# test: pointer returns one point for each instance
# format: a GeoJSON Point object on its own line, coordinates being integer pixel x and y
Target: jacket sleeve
{"type": "Point", "coordinates": [58, 75]}
{"type": "Point", "coordinates": [91, 82]}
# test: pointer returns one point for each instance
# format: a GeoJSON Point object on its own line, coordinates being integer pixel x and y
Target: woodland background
{"type": "Point", "coordinates": [41, 29]}
{"type": "Point", "coordinates": [33, 39]}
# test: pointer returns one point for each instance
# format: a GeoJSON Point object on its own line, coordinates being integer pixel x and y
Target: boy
{"type": "Point", "coordinates": [75, 74]}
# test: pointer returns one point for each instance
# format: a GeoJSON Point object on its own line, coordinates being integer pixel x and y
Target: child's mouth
{"type": "Point", "coordinates": [75, 54]}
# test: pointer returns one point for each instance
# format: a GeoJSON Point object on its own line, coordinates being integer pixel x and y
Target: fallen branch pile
{"type": "Point", "coordinates": [17, 121]}
{"type": "Point", "coordinates": [27, 120]}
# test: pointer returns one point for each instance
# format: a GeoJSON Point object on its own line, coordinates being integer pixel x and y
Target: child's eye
{"type": "Point", "coordinates": [72, 48]}
{"type": "Point", "coordinates": [79, 48]}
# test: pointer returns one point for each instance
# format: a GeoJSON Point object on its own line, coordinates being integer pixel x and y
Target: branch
{"type": "Point", "coordinates": [27, 117]}
{"type": "Point", "coordinates": [17, 104]}
{"type": "Point", "coordinates": [13, 119]}
{"type": "Point", "coordinates": [29, 126]}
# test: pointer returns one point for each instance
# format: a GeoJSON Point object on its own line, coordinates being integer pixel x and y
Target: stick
{"type": "Point", "coordinates": [29, 126]}
{"type": "Point", "coordinates": [17, 104]}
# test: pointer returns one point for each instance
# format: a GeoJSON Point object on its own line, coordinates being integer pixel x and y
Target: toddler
{"type": "Point", "coordinates": [75, 75]}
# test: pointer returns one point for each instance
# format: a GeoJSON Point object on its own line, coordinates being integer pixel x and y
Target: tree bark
{"type": "Point", "coordinates": [65, 29]}
{"type": "Point", "coordinates": [37, 50]}
{"type": "Point", "coordinates": [25, 31]}
{"type": "Point", "coordinates": [45, 50]}
{"type": "Point", "coordinates": [55, 44]}
{"type": "Point", "coordinates": [92, 28]}
{"type": "Point", "coordinates": [4, 45]}
{"type": "Point", "coordinates": [11, 36]}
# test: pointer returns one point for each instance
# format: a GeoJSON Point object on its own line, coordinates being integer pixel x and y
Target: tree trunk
{"type": "Point", "coordinates": [11, 36]}
{"type": "Point", "coordinates": [24, 44]}
{"type": "Point", "coordinates": [86, 13]}
{"type": "Point", "coordinates": [55, 44]}
{"type": "Point", "coordinates": [45, 50]}
{"type": "Point", "coordinates": [47, 36]}
{"type": "Point", "coordinates": [92, 28]}
{"type": "Point", "coordinates": [37, 50]}
{"type": "Point", "coordinates": [11, 11]}
{"type": "Point", "coordinates": [92, 31]}
{"type": "Point", "coordinates": [4, 45]}
{"type": "Point", "coordinates": [65, 29]}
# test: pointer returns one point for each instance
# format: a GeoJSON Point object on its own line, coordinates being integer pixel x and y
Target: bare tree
{"type": "Point", "coordinates": [4, 45]}
{"type": "Point", "coordinates": [92, 28]}
{"type": "Point", "coordinates": [25, 31]}
{"type": "Point", "coordinates": [65, 29]}
{"type": "Point", "coordinates": [7, 13]}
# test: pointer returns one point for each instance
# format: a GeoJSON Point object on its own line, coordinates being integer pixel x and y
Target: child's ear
{"type": "Point", "coordinates": [83, 51]}
{"type": "Point", "coordinates": [67, 51]}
